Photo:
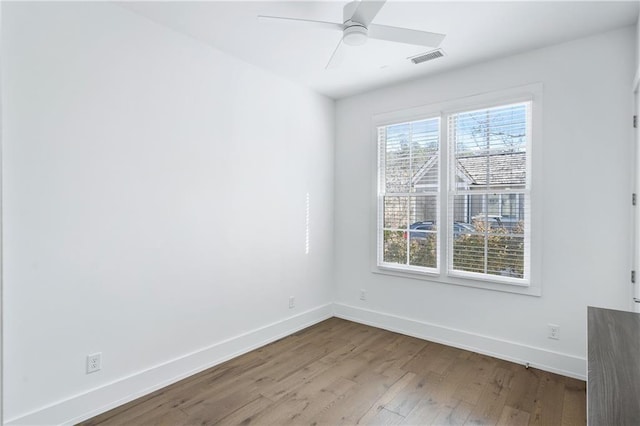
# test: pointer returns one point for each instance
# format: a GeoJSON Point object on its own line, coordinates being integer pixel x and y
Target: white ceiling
{"type": "Point", "coordinates": [476, 31]}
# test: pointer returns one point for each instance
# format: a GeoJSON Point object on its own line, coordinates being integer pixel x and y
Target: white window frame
{"type": "Point", "coordinates": [530, 93]}
{"type": "Point", "coordinates": [380, 230]}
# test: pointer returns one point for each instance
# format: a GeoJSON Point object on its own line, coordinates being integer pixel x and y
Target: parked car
{"type": "Point", "coordinates": [462, 228]}
{"type": "Point", "coordinates": [494, 221]}
{"type": "Point", "coordinates": [498, 222]}
{"type": "Point", "coordinates": [459, 228]}
{"type": "Point", "coordinates": [426, 225]}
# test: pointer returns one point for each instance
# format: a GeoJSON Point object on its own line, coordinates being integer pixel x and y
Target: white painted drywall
{"type": "Point", "coordinates": [154, 199]}
{"type": "Point", "coordinates": [637, 50]}
{"type": "Point", "coordinates": [1, 261]}
{"type": "Point", "coordinates": [586, 187]}
{"type": "Point", "coordinates": [636, 168]}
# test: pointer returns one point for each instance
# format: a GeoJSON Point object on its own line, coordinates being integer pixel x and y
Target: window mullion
{"type": "Point", "coordinates": [444, 199]}
{"type": "Point", "coordinates": [408, 198]}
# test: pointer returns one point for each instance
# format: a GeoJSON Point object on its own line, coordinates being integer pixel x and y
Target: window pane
{"type": "Point", "coordinates": [505, 255]}
{"type": "Point", "coordinates": [509, 206]}
{"type": "Point", "coordinates": [423, 209]}
{"type": "Point", "coordinates": [395, 212]}
{"type": "Point", "coordinates": [425, 138]}
{"type": "Point", "coordinates": [515, 212]}
{"type": "Point", "coordinates": [493, 204]}
{"type": "Point", "coordinates": [409, 164]}
{"type": "Point", "coordinates": [482, 219]}
{"type": "Point", "coordinates": [493, 130]}
{"type": "Point", "coordinates": [488, 171]}
{"type": "Point", "coordinates": [397, 167]}
{"type": "Point", "coordinates": [423, 250]}
{"type": "Point", "coordinates": [469, 253]}
{"type": "Point", "coordinates": [395, 247]}
{"type": "Point", "coordinates": [502, 251]}
{"type": "Point", "coordinates": [463, 207]}
{"type": "Point", "coordinates": [497, 171]}
{"type": "Point", "coordinates": [427, 177]}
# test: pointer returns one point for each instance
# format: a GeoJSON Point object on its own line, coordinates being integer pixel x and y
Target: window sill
{"type": "Point", "coordinates": [530, 290]}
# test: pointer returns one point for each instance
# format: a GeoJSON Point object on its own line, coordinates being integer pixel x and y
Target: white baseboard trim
{"type": "Point", "coordinates": [96, 401]}
{"type": "Point", "coordinates": [554, 362]}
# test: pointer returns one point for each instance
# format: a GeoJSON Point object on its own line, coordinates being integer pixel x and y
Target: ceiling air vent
{"type": "Point", "coordinates": [424, 57]}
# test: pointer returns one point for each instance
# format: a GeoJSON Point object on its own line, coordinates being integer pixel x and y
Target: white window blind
{"type": "Point", "coordinates": [489, 184]}
{"type": "Point", "coordinates": [409, 195]}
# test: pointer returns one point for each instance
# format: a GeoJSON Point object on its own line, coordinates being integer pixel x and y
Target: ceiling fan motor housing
{"type": "Point", "coordinates": [355, 35]}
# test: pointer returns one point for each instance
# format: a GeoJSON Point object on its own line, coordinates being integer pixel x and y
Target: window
{"type": "Point", "coordinates": [471, 222]}
{"type": "Point", "coordinates": [410, 197]}
{"type": "Point", "coordinates": [488, 177]}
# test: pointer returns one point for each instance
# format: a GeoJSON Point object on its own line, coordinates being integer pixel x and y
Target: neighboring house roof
{"type": "Point", "coordinates": [422, 171]}
{"type": "Point", "coordinates": [504, 169]}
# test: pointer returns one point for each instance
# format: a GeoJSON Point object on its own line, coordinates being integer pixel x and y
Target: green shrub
{"type": "Point", "coordinates": [504, 249]}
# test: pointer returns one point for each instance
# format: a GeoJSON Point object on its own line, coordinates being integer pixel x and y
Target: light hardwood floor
{"type": "Point", "coordinates": [339, 372]}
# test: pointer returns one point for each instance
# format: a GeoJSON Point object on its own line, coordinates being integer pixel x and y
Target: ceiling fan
{"type": "Point", "coordinates": [357, 28]}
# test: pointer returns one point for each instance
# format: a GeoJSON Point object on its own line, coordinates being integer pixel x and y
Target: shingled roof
{"type": "Point", "coordinates": [504, 169]}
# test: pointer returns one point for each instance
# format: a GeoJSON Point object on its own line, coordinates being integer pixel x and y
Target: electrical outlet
{"type": "Point", "coordinates": [554, 331]}
{"type": "Point", "coordinates": [94, 362]}
{"type": "Point", "coordinates": [363, 294]}
{"type": "Point", "coordinates": [292, 302]}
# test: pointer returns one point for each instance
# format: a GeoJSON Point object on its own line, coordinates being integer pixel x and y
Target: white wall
{"type": "Point", "coordinates": [154, 206]}
{"type": "Point", "coordinates": [1, 221]}
{"type": "Point", "coordinates": [586, 213]}
{"type": "Point", "coordinates": [636, 165]}
{"type": "Point", "coordinates": [637, 49]}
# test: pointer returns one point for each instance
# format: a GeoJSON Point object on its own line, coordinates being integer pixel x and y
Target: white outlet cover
{"type": "Point", "coordinates": [554, 331]}
{"type": "Point", "coordinates": [94, 362]}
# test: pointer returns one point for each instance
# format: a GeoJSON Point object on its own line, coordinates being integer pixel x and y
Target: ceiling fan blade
{"type": "Point", "coordinates": [366, 11]}
{"type": "Point", "coordinates": [405, 35]}
{"type": "Point", "coordinates": [336, 57]}
{"type": "Point", "coordinates": [318, 24]}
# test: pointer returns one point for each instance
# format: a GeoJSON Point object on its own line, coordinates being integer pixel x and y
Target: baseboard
{"type": "Point", "coordinates": [96, 401]}
{"type": "Point", "coordinates": [554, 362]}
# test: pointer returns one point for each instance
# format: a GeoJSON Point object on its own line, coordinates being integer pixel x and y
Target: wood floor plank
{"type": "Point", "coordinates": [513, 417]}
{"type": "Point", "coordinates": [339, 372]}
{"type": "Point", "coordinates": [549, 400]}
{"type": "Point", "coordinates": [407, 399]}
{"type": "Point", "coordinates": [471, 390]}
{"type": "Point", "coordinates": [247, 413]}
{"type": "Point", "coordinates": [385, 417]}
{"type": "Point", "coordinates": [302, 405]}
{"type": "Point", "coordinates": [421, 362]}
{"type": "Point", "coordinates": [574, 407]}
{"type": "Point", "coordinates": [387, 397]}
{"type": "Point", "coordinates": [491, 403]}
{"type": "Point", "coordinates": [212, 410]}
{"type": "Point", "coordinates": [326, 399]}
{"type": "Point", "coordinates": [398, 353]}
{"type": "Point", "coordinates": [523, 388]}
{"type": "Point", "coordinates": [357, 401]}
{"type": "Point", "coordinates": [277, 389]}
{"type": "Point", "coordinates": [270, 372]}
{"type": "Point", "coordinates": [454, 412]}
{"type": "Point", "coordinates": [424, 412]}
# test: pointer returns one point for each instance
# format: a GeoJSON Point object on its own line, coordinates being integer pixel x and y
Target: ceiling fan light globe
{"type": "Point", "coordinates": [355, 35]}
